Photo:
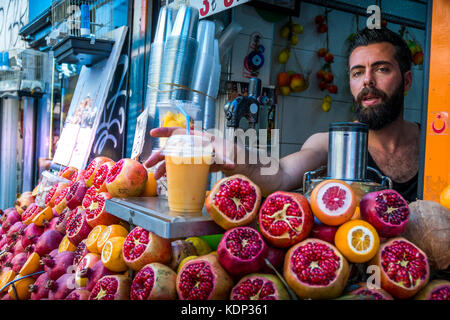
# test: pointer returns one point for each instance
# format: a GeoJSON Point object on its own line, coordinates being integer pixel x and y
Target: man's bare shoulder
{"type": "Point", "coordinates": [317, 140]}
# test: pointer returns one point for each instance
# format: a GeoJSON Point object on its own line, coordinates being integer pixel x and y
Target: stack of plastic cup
{"type": "Point", "coordinates": [205, 59]}
{"type": "Point", "coordinates": [213, 89]}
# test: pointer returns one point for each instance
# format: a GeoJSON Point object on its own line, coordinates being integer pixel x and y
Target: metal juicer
{"type": "Point", "coordinates": [347, 161]}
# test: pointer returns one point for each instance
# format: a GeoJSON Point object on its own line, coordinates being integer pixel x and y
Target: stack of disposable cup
{"type": "Point", "coordinates": [213, 89]}
{"type": "Point", "coordinates": [203, 63]}
{"type": "Point", "coordinates": [180, 52]}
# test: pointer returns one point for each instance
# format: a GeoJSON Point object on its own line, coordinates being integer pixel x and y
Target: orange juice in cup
{"type": "Point", "coordinates": [188, 159]}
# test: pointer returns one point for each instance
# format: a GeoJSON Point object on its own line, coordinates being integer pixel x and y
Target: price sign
{"type": "Point", "coordinates": [209, 7]}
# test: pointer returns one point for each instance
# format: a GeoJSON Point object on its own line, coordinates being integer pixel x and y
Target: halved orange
{"type": "Point", "coordinates": [444, 197]}
{"type": "Point", "coordinates": [333, 202]}
{"type": "Point", "coordinates": [7, 276]}
{"type": "Point", "coordinates": [31, 265]}
{"type": "Point", "coordinates": [112, 257]}
{"type": "Point", "coordinates": [66, 245]}
{"type": "Point", "coordinates": [357, 240]}
{"type": "Point", "coordinates": [41, 217]}
{"type": "Point", "coordinates": [150, 186]}
{"type": "Point", "coordinates": [91, 241]}
{"type": "Point", "coordinates": [114, 230]}
{"type": "Point", "coordinates": [22, 290]}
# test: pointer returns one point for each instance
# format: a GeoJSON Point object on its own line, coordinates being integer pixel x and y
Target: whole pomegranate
{"type": "Point", "coordinates": [203, 278]}
{"type": "Point", "coordinates": [10, 218]}
{"type": "Point", "coordinates": [285, 218]}
{"type": "Point", "coordinates": [58, 265]}
{"type": "Point", "coordinates": [75, 195]}
{"type": "Point", "coordinates": [233, 201]}
{"type": "Point", "coordinates": [371, 293]}
{"type": "Point", "coordinates": [127, 178]}
{"type": "Point", "coordinates": [24, 201]}
{"type": "Point", "coordinates": [31, 234]}
{"type": "Point", "coordinates": [62, 287]}
{"type": "Point", "coordinates": [315, 269]}
{"type": "Point", "coordinates": [435, 290]}
{"type": "Point", "coordinates": [403, 267]}
{"type": "Point", "coordinates": [386, 210]}
{"type": "Point", "coordinates": [79, 294]}
{"type": "Point", "coordinates": [154, 281]}
{"type": "Point", "coordinates": [259, 286]}
{"type": "Point", "coordinates": [39, 289]}
{"type": "Point", "coordinates": [242, 251]}
{"type": "Point", "coordinates": [142, 247]}
{"type": "Point", "coordinates": [47, 242]}
{"type": "Point", "coordinates": [84, 268]}
{"type": "Point", "coordinates": [324, 232]}
{"type": "Point", "coordinates": [114, 287]}
{"type": "Point", "coordinates": [95, 273]}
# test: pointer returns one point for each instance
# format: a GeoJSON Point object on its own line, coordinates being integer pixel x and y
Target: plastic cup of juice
{"type": "Point", "coordinates": [188, 159]}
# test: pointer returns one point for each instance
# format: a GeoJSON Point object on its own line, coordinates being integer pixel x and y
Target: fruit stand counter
{"type": "Point", "coordinates": [153, 214]}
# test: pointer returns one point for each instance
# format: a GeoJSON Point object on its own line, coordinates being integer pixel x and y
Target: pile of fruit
{"type": "Point", "coordinates": [291, 81]}
{"type": "Point", "coordinates": [284, 246]}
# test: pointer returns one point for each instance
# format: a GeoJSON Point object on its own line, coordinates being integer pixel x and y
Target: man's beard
{"type": "Point", "coordinates": [379, 115]}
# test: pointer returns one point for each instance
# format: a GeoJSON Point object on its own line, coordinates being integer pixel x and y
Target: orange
{"type": "Point", "coordinates": [184, 261]}
{"type": "Point", "coordinates": [31, 265]}
{"type": "Point", "coordinates": [444, 199]}
{"type": "Point", "coordinates": [112, 257]}
{"type": "Point", "coordinates": [283, 79]}
{"type": "Point", "coordinates": [357, 240]}
{"type": "Point", "coordinates": [114, 230]}
{"type": "Point", "coordinates": [41, 217]}
{"type": "Point", "coordinates": [333, 202]}
{"type": "Point", "coordinates": [21, 288]}
{"type": "Point", "coordinates": [6, 277]}
{"type": "Point", "coordinates": [91, 242]}
{"type": "Point", "coordinates": [66, 245]}
{"type": "Point", "coordinates": [150, 187]}
{"type": "Point", "coordinates": [356, 214]}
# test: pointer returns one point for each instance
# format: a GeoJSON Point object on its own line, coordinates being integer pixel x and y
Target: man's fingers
{"type": "Point", "coordinates": [154, 159]}
{"type": "Point", "coordinates": [166, 131]}
{"type": "Point", "coordinates": [160, 171]}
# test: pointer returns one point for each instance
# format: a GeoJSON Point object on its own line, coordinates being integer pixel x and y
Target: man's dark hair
{"type": "Point", "coordinates": [369, 36]}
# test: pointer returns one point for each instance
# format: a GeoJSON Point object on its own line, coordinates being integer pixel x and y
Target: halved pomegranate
{"type": "Point", "coordinates": [285, 218]}
{"type": "Point", "coordinates": [315, 269]}
{"type": "Point", "coordinates": [28, 215]}
{"type": "Point", "coordinates": [68, 172]}
{"type": "Point", "coordinates": [77, 176]}
{"type": "Point", "coordinates": [203, 278]}
{"type": "Point", "coordinates": [242, 251]}
{"type": "Point", "coordinates": [100, 176]}
{"type": "Point", "coordinates": [127, 178]}
{"type": "Point", "coordinates": [333, 202]}
{"type": "Point", "coordinates": [84, 268]}
{"type": "Point", "coordinates": [80, 252]}
{"type": "Point", "coordinates": [53, 193]}
{"type": "Point", "coordinates": [142, 247]}
{"type": "Point", "coordinates": [113, 287]}
{"type": "Point", "coordinates": [259, 286]}
{"type": "Point", "coordinates": [95, 211]}
{"type": "Point", "coordinates": [92, 168]}
{"type": "Point", "coordinates": [75, 195]}
{"type": "Point", "coordinates": [77, 228]}
{"type": "Point", "coordinates": [233, 201]}
{"type": "Point", "coordinates": [435, 290]}
{"type": "Point", "coordinates": [90, 193]}
{"type": "Point", "coordinates": [154, 281]}
{"type": "Point", "coordinates": [386, 210]}
{"type": "Point", "coordinates": [60, 201]}
{"type": "Point", "coordinates": [403, 266]}
{"type": "Point", "coordinates": [371, 293]}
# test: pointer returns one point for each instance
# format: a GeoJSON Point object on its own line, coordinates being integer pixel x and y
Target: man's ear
{"type": "Point", "coordinates": [407, 78]}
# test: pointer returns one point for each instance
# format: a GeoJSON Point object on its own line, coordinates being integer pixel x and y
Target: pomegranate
{"type": "Point", "coordinates": [79, 294]}
{"type": "Point", "coordinates": [5, 259]}
{"type": "Point", "coordinates": [18, 261]}
{"type": "Point", "coordinates": [114, 287]}
{"type": "Point", "coordinates": [92, 168]}
{"type": "Point", "coordinates": [31, 234]}
{"type": "Point", "coordinates": [68, 172]}
{"type": "Point", "coordinates": [285, 218]}
{"type": "Point", "coordinates": [18, 248]}
{"type": "Point", "coordinates": [154, 281]}
{"type": "Point", "coordinates": [142, 247]}
{"type": "Point", "coordinates": [62, 220]}
{"type": "Point", "coordinates": [386, 210]}
{"type": "Point", "coordinates": [60, 201]}
{"type": "Point", "coordinates": [435, 290]}
{"type": "Point", "coordinates": [39, 288]}
{"type": "Point", "coordinates": [180, 250]}
{"type": "Point", "coordinates": [10, 218]}
{"type": "Point", "coordinates": [259, 286]}
{"type": "Point", "coordinates": [100, 176]}
{"type": "Point", "coordinates": [62, 287]}
{"type": "Point", "coordinates": [371, 293]}
{"type": "Point", "coordinates": [315, 269]}
{"type": "Point", "coordinates": [75, 195]}
{"type": "Point", "coordinates": [95, 211]}
{"type": "Point", "coordinates": [77, 228]}
{"type": "Point", "coordinates": [276, 258]}
{"type": "Point", "coordinates": [233, 201]}
{"type": "Point", "coordinates": [53, 193]}
{"type": "Point", "coordinates": [84, 268]}
{"type": "Point", "coordinates": [47, 242]}
{"type": "Point", "coordinates": [58, 265]}
{"type": "Point", "coordinates": [15, 231]}
{"type": "Point", "coordinates": [242, 251]}
{"type": "Point", "coordinates": [90, 192]}
{"type": "Point", "coordinates": [323, 232]}
{"type": "Point", "coordinates": [403, 267]}
{"type": "Point", "coordinates": [51, 225]}
{"type": "Point", "coordinates": [23, 202]}
{"type": "Point", "coordinates": [127, 178]}
{"type": "Point", "coordinates": [77, 176]}
{"type": "Point", "coordinates": [95, 273]}
{"type": "Point", "coordinates": [203, 278]}
{"type": "Point", "coordinates": [28, 215]}
{"type": "Point", "coordinates": [80, 252]}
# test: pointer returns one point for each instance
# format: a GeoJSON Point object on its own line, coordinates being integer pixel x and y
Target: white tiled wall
{"type": "Point", "coordinates": [299, 115]}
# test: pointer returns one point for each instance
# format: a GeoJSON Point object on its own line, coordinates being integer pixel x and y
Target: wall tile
{"type": "Point", "coordinates": [287, 148]}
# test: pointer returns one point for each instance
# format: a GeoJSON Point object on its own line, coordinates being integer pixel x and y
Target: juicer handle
{"type": "Point", "coordinates": [385, 180]}
{"type": "Point", "coordinates": [308, 175]}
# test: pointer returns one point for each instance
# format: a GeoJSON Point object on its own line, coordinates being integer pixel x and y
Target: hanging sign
{"type": "Point", "coordinates": [209, 7]}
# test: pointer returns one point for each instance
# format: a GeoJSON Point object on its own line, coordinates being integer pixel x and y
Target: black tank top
{"type": "Point", "coordinates": [407, 189]}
